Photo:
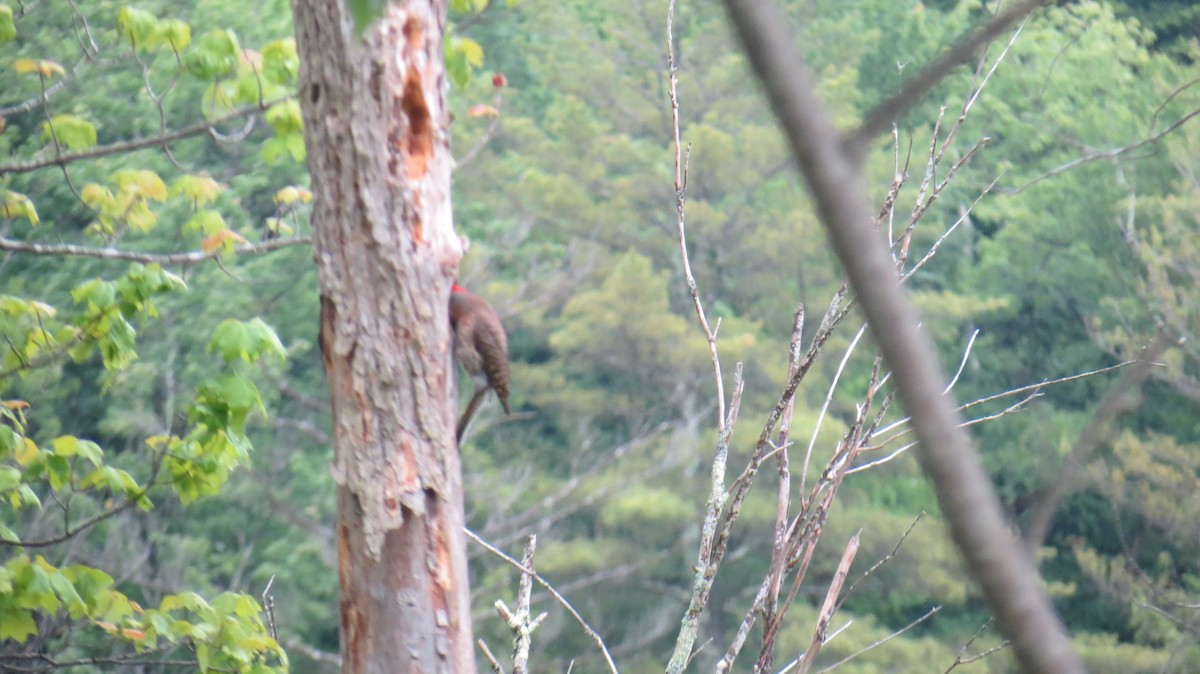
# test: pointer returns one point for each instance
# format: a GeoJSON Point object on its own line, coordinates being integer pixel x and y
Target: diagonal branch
{"type": "Point", "coordinates": [530, 573]}
{"type": "Point", "coordinates": [1004, 570]}
{"type": "Point", "coordinates": [912, 91]}
{"type": "Point", "coordinates": [133, 145]}
{"type": "Point", "coordinates": [1106, 154]}
{"type": "Point", "coordinates": [1117, 400]}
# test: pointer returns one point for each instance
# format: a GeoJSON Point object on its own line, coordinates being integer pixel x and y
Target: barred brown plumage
{"type": "Point", "coordinates": [480, 345]}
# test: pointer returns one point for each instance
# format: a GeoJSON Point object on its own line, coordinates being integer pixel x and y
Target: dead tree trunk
{"type": "Point", "coordinates": [378, 151]}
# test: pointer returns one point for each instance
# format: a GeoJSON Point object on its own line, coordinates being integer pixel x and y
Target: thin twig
{"type": "Point", "coordinates": [928, 614]}
{"type": "Point", "coordinates": [963, 362]}
{"type": "Point", "coordinates": [961, 660]}
{"type": "Point", "coordinates": [487, 653]}
{"type": "Point", "coordinates": [488, 133]}
{"type": "Point", "coordinates": [1015, 407]}
{"type": "Point", "coordinates": [812, 441]}
{"type": "Point", "coordinates": [914, 89]}
{"type": "Point", "coordinates": [587, 629]}
{"type": "Point", "coordinates": [833, 175]}
{"type": "Point", "coordinates": [886, 558]}
{"type": "Point", "coordinates": [1117, 400]}
{"type": "Point", "coordinates": [1104, 154]}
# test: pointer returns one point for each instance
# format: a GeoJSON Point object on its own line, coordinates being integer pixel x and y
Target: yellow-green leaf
{"type": "Point", "coordinates": [26, 452]}
{"type": "Point", "coordinates": [17, 624]}
{"type": "Point", "coordinates": [17, 205]}
{"type": "Point", "coordinates": [292, 194]}
{"type": "Point", "coordinates": [141, 182]}
{"type": "Point", "coordinates": [138, 28]}
{"type": "Point", "coordinates": [70, 130]}
{"type": "Point", "coordinates": [43, 68]}
{"type": "Point", "coordinates": [8, 30]}
{"type": "Point", "coordinates": [198, 189]}
{"type": "Point", "coordinates": [97, 197]}
{"type": "Point", "coordinates": [175, 33]}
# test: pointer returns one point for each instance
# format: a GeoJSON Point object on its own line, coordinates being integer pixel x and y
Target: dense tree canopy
{"type": "Point", "coordinates": [165, 435]}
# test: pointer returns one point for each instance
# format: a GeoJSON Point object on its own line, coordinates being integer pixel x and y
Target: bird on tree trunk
{"type": "Point", "coordinates": [481, 346]}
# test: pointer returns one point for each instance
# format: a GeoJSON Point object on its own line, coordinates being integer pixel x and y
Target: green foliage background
{"type": "Point", "coordinates": [155, 398]}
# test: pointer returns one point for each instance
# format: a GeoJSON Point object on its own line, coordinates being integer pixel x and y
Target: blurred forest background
{"type": "Point", "coordinates": [136, 376]}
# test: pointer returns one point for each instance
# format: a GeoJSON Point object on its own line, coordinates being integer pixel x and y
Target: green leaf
{"type": "Point", "coordinates": [10, 478]}
{"type": "Point", "coordinates": [8, 30]}
{"type": "Point", "coordinates": [26, 496]}
{"type": "Point", "coordinates": [58, 471]}
{"type": "Point", "coordinates": [280, 63]}
{"type": "Point", "coordinates": [462, 55]}
{"type": "Point", "coordinates": [69, 445]}
{"type": "Point", "coordinates": [274, 149]}
{"type": "Point", "coordinates": [119, 482]}
{"type": "Point", "coordinates": [175, 33]}
{"type": "Point", "coordinates": [207, 222]}
{"type": "Point", "coordinates": [98, 295]}
{"type": "Point", "coordinates": [39, 593]}
{"type": "Point", "coordinates": [66, 593]}
{"type": "Point", "coordinates": [16, 205]}
{"type": "Point", "coordinates": [138, 28]}
{"type": "Point", "coordinates": [247, 341]}
{"type": "Point", "coordinates": [215, 55]}
{"type": "Point", "coordinates": [70, 130]}
{"type": "Point", "coordinates": [198, 189]}
{"type": "Point", "coordinates": [295, 146]}
{"type": "Point", "coordinates": [238, 394]}
{"type": "Point", "coordinates": [285, 117]}
{"type": "Point", "coordinates": [17, 624]}
{"type": "Point", "coordinates": [202, 659]}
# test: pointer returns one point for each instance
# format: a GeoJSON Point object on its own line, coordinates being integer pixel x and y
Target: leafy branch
{"type": "Point", "coordinates": [127, 146]}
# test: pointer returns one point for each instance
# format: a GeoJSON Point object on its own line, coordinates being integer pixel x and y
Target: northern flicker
{"type": "Point", "coordinates": [481, 346]}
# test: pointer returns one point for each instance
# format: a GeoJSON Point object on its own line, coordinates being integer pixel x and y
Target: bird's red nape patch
{"type": "Point", "coordinates": [457, 289]}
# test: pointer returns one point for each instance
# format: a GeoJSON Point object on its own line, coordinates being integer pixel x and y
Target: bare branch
{"type": "Point", "coordinates": [519, 621]}
{"type": "Point", "coordinates": [587, 629]}
{"type": "Point", "coordinates": [963, 362]}
{"type": "Point", "coordinates": [487, 653]}
{"type": "Point", "coordinates": [1031, 388]}
{"type": "Point", "coordinates": [1015, 407]}
{"type": "Point", "coordinates": [820, 634]}
{"type": "Point", "coordinates": [928, 614]}
{"type": "Point", "coordinates": [680, 196]}
{"type": "Point", "coordinates": [914, 89]}
{"type": "Point", "coordinates": [886, 558]}
{"type": "Point", "coordinates": [133, 145]}
{"type": "Point", "coordinates": [812, 441]}
{"type": "Point", "coordinates": [488, 133]}
{"type": "Point", "coordinates": [324, 657]}
{"type": "Point", "coordinates": [1104, 154]}
{"type": "Point", "coordinates": [961, 659]}
{"type": "Point", "coordinates": [164, 259]}
{"type": "Point", "coordinates": [1006, 574]}
{"type": "Point", "coordinates": [1117, 400]}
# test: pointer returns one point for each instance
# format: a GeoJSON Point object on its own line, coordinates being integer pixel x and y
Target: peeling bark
{"type": "Point", "coordinates": [378, 151]}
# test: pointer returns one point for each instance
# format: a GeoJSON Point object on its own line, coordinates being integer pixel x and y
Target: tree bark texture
{"type": "Point", "coordinates": [376, 126]}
